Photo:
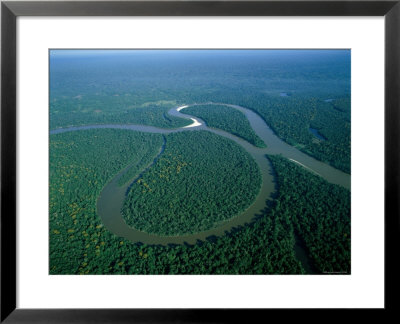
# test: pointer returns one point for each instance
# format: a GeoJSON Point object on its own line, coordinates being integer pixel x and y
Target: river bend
{"type": "Point", "coordinates": [111, 198]}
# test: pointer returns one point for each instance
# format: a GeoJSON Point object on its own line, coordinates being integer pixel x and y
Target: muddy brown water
{"type": "Point", "coordinates": [111, 199]}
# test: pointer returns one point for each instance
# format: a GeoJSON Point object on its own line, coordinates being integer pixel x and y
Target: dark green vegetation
{"type": "Point", "coordinates": [318, 212]}
{"type": "Point", "coordinates": [79, 244]}
{"type": "Point", "coordinates": [227, 119]}
{"type": "Point", "coordinates": [150, 115]}
{"type": "Point", "coordinates": [199, 181]}
{"type": "Point", "coordinates": [140, 86]}
{"type": "Point", "coordinates": [81, 163]}
{"type": "Point", "coordinates": [291, 118]}
{"type": "Point", "coordinates": [144, 155]}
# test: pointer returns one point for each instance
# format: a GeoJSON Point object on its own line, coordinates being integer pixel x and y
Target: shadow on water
{"type": "Point", "coordinates": [212, 239]}
{"type": "Point", "coordinates": [186, 244]}
{"type": "Point", "coordinates": [317, 134]}
{"type": "Point", "coordinates": [303, 256]}
{"type": "Point", "coordinates": [111, 199]}
{"type": "Point", "coordinates": [172, 245]}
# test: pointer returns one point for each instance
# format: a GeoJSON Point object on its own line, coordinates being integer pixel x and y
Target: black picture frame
{"type": "Point", "coordinates": [10, 10]}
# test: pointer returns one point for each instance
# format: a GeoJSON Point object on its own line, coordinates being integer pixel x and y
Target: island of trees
{"type": "Point", "coordinates": [227, 119]}
{"type": "Point", "coordinates": [200, 180]}
{"type": "Point", "coordinates": [306, 206]}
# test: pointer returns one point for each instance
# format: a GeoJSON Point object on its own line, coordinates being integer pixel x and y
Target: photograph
{"type": "Point", "coordinates": [199, 161]}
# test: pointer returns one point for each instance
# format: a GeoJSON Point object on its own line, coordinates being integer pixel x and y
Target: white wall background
{"type": "Point", "coordinates": [363, 288]}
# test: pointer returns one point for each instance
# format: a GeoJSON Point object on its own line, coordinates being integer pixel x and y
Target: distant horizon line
{"type": "Point", "coordinates": [54, 52]}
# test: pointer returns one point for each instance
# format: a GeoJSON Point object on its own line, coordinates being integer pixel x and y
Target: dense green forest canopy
{"type": "Point", "coordinates": [293, 90]}
{"type": "Point", "coordinates": [151, 114]}
{"type": "Point", "coordinates": [292, 117]}
{"type": "Point", "coordinates": [305, 204]}
{"type": "Point", "coordinates": [227, 119]}
{"type": "Point", "coordinates": [200, 180]}
{"type": "Point", "coordinates": [81, 163]}
{"type": "Point", "coordinates": [143, 155]}
{"type": "Point", "coordinates": [319, 213]}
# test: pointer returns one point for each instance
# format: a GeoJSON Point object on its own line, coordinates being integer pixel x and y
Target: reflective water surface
{"type": "Point", "coordinates": [112, 197]}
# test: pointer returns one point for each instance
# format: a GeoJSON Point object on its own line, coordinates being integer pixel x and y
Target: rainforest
{"type": "Point", "coordinates": [199, 162]}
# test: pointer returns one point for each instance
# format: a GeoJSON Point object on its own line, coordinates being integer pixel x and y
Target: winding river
{"type": "Point", "coordinates": [112, 197]}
